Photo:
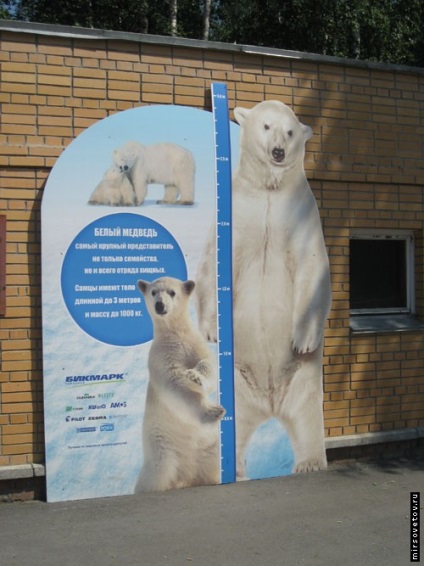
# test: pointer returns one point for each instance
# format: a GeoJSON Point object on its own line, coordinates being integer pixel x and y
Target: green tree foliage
{"type": "Point", "coordinates": [379, 30]}
{"type": "Point", "coordinates": [128, 15]}
{"type": "Point", "coordinates": [141, 16]}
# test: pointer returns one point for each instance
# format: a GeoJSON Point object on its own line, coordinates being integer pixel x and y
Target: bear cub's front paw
{"type": "Point", "coordinates": [213, 413]}
{"type": "Point", "coordinates": [194, 376]}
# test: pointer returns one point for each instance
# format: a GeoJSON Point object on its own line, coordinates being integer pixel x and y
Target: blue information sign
{"type": "Point", "coordinates": [100, 273]}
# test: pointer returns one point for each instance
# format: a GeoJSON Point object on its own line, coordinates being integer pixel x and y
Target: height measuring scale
{"type": "Point", "coordinates": [224, 279]}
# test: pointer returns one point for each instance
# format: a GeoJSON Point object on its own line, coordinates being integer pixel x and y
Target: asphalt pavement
{"type": "Point", "coordinates": [354, 513]}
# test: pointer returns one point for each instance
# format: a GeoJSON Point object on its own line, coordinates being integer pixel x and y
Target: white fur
{"type": "Point", "coordinates": [180, 427]}
{"type": "Point", "coordinates": [114, 189]}
{"type": "Point", "coordinates": [281, 286]}
{"type": "Point", "coordinates": [164, 163]}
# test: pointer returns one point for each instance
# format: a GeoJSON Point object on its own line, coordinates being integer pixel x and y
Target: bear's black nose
{"type": "Point", "coordinates": [278, 154]}
{"type": "Point", "coordinates": [125, 168]}
{"type": "Point", "coordinates": [160, 307]}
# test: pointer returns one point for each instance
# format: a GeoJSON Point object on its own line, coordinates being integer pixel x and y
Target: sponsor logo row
{"type": "Point", "coordinates": [87, 396]}
{"type": "Point", "coordinates": [107, 427]}
{"type": "Point", "coordinates": [70, 419]}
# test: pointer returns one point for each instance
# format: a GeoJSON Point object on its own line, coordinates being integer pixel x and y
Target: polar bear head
{"type": "Point", "coordinates": [166, 298]}
{"type": "Point", "coordinates": [113, 176]}
{"type": "Point", "coordinates": [272, 135]}
{"type": "Point", "coordinates": [126, 156]}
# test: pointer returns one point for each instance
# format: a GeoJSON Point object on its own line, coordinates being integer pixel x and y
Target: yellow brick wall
{"type": "Point", "coordinates": [365, 163]}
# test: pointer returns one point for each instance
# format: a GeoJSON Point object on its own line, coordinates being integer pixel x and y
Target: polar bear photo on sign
{"type": "Point", "coordinates": [281, 286]}
{"type": "Point", "coordinates": [115, 189]}
{"type": "Point", "coordinates": [180, 425]}
{"type": "Point", "coordinates": [163, 163]}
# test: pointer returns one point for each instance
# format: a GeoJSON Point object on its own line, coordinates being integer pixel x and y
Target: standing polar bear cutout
{"type": "Point", "coordinates": [281, 286]}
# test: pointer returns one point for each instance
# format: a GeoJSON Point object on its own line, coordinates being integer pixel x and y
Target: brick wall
{"type": "Point", "coordinates": [365, 163]}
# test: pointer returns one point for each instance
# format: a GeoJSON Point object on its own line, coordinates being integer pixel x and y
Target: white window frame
{"type": "Point", "coordinates": [408, 237]}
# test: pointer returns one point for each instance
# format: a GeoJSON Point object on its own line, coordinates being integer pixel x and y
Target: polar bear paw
{"type": "Point", "coordinates": [126, 201]}
{"type": "Point", "coordinates": [209, 331]}
{"type": "Point", "coordinates": [213, 413]}
{"type": "Point", "coordinates": [312, 465]}
{"type": "Point", "coordinates": [203, 367]}
{"type": "Point", "coordinates": [306, 340]}
{"type": "Point", "coordinates": [194, 376]}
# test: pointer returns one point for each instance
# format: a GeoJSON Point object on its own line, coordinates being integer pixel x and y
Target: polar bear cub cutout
{"type": "Point", "coordinates": [114, 189]}
{"type": "Point", "coordinates": [281, 286]}
{"type": "Point", "coordinates": [165, 163]}
{"type": "Point", "coordinates": [180, 426]}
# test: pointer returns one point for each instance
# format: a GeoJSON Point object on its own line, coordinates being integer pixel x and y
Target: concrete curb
{"type": "Point", "coordinates": [374, 438]}
{"type": "Point", "coordinates": [22, 471]}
